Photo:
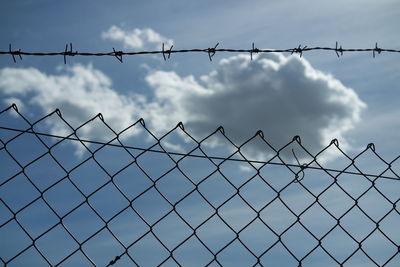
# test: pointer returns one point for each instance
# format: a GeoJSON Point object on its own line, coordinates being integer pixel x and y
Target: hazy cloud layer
{"type": "Point", "coordinates": [283, 96]}
{"type": "Point", "coordinates": [137, 38]}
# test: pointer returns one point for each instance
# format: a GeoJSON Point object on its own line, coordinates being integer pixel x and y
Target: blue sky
{"type": "Point", "coordinates": [319, 97]}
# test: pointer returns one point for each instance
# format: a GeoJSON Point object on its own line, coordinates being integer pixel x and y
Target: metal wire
{"type": "Point", "coordinates": [126, 256]}
{"type": "Point", "coordinates": [210, 51]}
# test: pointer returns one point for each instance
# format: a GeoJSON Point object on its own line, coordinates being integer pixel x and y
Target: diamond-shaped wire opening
{"type": "Point", "coordinates": [257, 193]}
{"type": "Point", "coordinates": [379, 248]}
{"type": "Point", "coordinates": [37, 218]}
{"type": "Point", "coordinates": [257, 149]}
{"type": "Point", "coordinates": [121, 158]}
{"type": "Point", "coordinates": [171, 230]}
{"type": "Point", "coordinates": [355, 185]}
{"type": "Point", "coordinates": [13, 240]}
{"type": "Point", "coordinates": [96, 131]}
{"type": "Point", "coordinates": [257, 237]}
{"type": "Point", "coordinates": [286, 154]}
{"type": "Point", "coordinates": [102, 248]}
{"type": "Point", "coordinates": [236, 255]}
{"type": "Point", "coordinates": [193, 253]}
{"type": "Point", "coordinates": [215, 234]}
{"type": "Point", "coordinates": [148, 251]}
{"type": "Point", "coordinates": [134, 136]}
{"type": "Point", "coordinates": [374, 204]}
{"type": "Point", "coordinates": [70, 153]}
{"type": "Point", "coordinates": [336, 201]}
{"type": "Point", "coordinates": [82, 223]}
{"type": "Point", "coordinates": [389, 226]}
{"type": "Point", "coordinates": [12, 167]}
{"type": "Point", "coordinates": [56, 245]}
{"type": "Point", "coordinates": [218, 146]}
{"type": "Point", "coordinates": [174, 186]}
{"type": "Point", "coordinates": [45, 172]}
{"type": "Point", "coordinates": [151, 206]}
{"type": "Point", "coordinates": [216, 189]}
{"type": "Point", "coordinates": [316, 181]}
{"type": "Point", "coordinates": [128, 227]}
{"type": "Point", "coordinates": [369, 163]}
{"type": "Point", "coordinates": [108, 201]}
{"type": "Point", "coordinates": [277, 216]}
{"type": "Point", "coordinates": [317, 220]}
{"type": "Point", "coordinates": [132, 181]}
{"type": "Point", "coordinates": [30, 257]}
{"type": "Point", "coordinates": [238, 173]}
{"type": "Point", "coordinates": [291, 239]}
{"type": "Point", "coordinates": [18, 192]}
{"type": "Point", "coordinates": [237, 213]}
{"type": "Point", "coordinates": [164, 163]}
{"type": "Point", "coordinates": [18, 148]}
{"type": "Point", "coordinates": [199, 168]}
{"type": "Point", "coordinates": [63, 197]}
{"type": "Point", "coordinates": [278, 256]}
{"type": "Point", "coordinates": [276, 176]}
{"type": "Point", "coordinates": [332, 158]}
{"type": "Point", "coordinates": [344, 250]}
{"type": "Point", "coordinates": [357, 224]}
{"type": "Point", "coordinates": [389, 188]}
{"type": "Point", "coordinates": [178, 141]}
{"type": "Point", "coordinates": [194, 209]}
{"type": "Point", "coordinates": [53, 124]}
{"type": "Point", "coordinates": [88, 177]}
{"type": "Point", "coordinates": [291, 195]}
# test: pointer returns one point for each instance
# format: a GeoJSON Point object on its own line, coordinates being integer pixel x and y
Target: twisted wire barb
{"type": "Point", "coordinates": [338, 50]}
{"type": "Point", "coordinates": [261, 215]}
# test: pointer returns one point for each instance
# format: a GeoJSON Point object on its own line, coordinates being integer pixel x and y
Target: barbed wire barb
{"type": "Point", "coordinates": [338, 50]}
{"type": "Point", "coordinates": [118, 55]}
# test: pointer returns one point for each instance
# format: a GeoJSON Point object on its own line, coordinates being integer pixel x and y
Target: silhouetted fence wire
{"type": "Point", "coordinates": [210, 51]}
{"type": "Point", "coordinates": [324, 243]}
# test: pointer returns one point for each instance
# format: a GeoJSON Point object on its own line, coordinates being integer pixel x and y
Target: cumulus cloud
{"type": "Point", "coordinates": [80, 93]}
{"type": "Point", "coordinates": [136, 38]}
{"type": "Point", "coordinates": [283, 96]}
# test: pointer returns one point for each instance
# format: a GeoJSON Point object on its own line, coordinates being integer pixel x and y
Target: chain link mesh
{"type": "Point", "coordinates": [156, 207]}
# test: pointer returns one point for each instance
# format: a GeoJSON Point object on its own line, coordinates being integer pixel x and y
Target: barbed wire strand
{"type": "Point", "coordinates": [260, 214]}
{"type": "Point", "coordinates": [210, 51]}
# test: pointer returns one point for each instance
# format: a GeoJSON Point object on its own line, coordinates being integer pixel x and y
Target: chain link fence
{"type": "Point", "coordinates": [67, 200]}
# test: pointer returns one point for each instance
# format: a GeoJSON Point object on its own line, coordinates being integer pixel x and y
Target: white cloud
{"type": "Point", "coordinates": [80, 94]}
{"type": "Point", "coordinates": [137, 38]}
{"type": "Point", "coordinates": [283, 96]}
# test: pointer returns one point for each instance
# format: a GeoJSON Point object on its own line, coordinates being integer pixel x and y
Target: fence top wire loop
{"type": "Point", "coordinates": [211, 51]}
{"type": "Point", "coordinates": [169, 240]}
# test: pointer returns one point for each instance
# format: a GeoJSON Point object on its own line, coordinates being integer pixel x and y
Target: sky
{"type": "Point", "coordinates": [319, 97]}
